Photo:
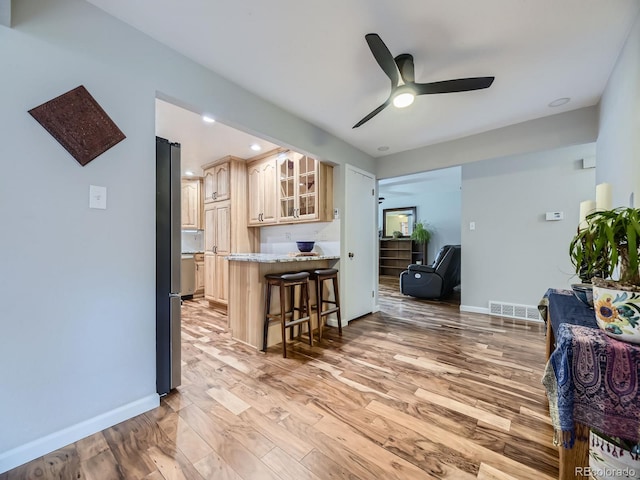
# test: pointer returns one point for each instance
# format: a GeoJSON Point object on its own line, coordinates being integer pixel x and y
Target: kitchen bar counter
{"type": "Point", "coordinates": [278, 257]}
{"type": "Point", "coordinates": [247, 291]}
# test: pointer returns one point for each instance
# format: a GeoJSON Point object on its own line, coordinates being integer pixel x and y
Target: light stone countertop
{"type": "Point", "coordinates": [276, 257]}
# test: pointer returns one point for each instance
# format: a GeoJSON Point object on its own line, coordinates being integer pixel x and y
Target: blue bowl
{"type": "Point", "coordinates": [584, 293]}
{"type": "Point", "coordinates": [305, 246]}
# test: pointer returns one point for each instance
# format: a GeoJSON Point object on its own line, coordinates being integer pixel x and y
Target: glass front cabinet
{"type": "Point", "coordinates": [298, 177]}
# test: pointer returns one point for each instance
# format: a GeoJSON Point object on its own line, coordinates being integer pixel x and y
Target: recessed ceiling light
{"type": "Point", "coordinates": [560, 101]}
{"type": "Point", "coordinates": [189, 173]}
{"type": "Point", "coordinates": [383, 148]}
{"type": "Point", "coordinates": [255, 147]}
{"type": "Point", "coordinates": [208, 119]}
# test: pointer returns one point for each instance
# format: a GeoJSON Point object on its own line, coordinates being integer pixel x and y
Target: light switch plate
{"type": "Point", "coordinates": [97, 197]}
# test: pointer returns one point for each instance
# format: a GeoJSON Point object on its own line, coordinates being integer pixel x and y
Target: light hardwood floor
{"type": "Point", "coordinates": [416, 391]}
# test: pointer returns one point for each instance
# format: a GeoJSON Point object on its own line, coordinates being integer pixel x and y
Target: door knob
{"type": "Point", "coordinates": [350, 254]}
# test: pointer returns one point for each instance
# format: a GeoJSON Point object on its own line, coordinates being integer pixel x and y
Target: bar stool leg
{"type": "Point", "coordinates": [291, 309]}
{"type": "Point", "coordinates": [283, 311]}
{"type": "Point", "coordinates": [319, 284]}
{"type": "Point", "coordinates": [307, 309]}
{"type": "Point", "coordinates": [267, 310]}
{"type": "Point", "coordinates": [336, 297]}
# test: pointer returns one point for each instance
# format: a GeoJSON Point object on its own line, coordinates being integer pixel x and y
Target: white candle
{"type": "Point", "coordinates": [603, 196]}
{"type": "Point", "coordinates": [586, 208]}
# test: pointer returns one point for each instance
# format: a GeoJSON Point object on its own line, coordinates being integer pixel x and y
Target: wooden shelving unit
{"type": "Point", "coordinates": [396, 254]}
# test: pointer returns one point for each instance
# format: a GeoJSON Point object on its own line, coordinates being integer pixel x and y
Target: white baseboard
{"type": "Point", "coordinates": [469, 308]}
{"type": "Point", "coordinates": [32, 450]}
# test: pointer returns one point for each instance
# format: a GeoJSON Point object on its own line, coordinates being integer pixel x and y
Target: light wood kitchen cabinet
{"type": "Point", "coordinates": [262, 192]}
{"type": "Point", "coordinates": [199, 259]}
{"type": "Point", "coordinates": [217, 240]}
{"type": "Point", "coordinates": [226, 230]}
{"type": "Point", "coordinates": [216, 279]}
{"type": "Point", "coordinates": [305, 189]}
{"type": "Point", "coordinates": [217, 180]}
{"type": "Point", "coordinates": [191, 203]}
{"type": "Point", "coordinates": [288, 187]}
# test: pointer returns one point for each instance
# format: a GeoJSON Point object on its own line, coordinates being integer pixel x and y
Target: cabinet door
{"type": "Point", "coordinates": [199, 277]}
{"type": "Point", "coordinates": [209, 229]}
{"type": "Point", "coordinates": [222, 228]}
{"type": "Point", "coordinates": [221, 180]}
{"type": "Point", "coordinates": [307, 185]}
{"type": "Point", "coordinates": [256, 193]}
{"type": "Point", "coordinates": [269, 192]}
{"type": "Point", "coordinates": [263, 193]}
{"type": "Point", "coordinates": [287, 189]}
{"type": "Point", "coordinates": [209, 187]}
{"type": "Point", "coordinates": [209, 276]}
{"type": "Point", "coordinates": [190, 204]}
{"type": "Point", "coordinates": [221, 280]}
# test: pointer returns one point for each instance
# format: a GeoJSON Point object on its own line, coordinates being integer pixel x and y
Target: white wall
{"type": "Point", "coordinates": [514, 255]}
{"type": "Point", "coordinates": [618, 147]}
{"type": "Point", "coordinates": [77, 349]}
{"type": "Point", "coordinates": [576, 127]}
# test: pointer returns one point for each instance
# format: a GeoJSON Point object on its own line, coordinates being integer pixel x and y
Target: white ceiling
{"type": "Point", "coordinates": [443, 180]}
{"type": "Point", "coordinates": [201, 142]}
{"type": "Point", "coordinates": [311, 58]}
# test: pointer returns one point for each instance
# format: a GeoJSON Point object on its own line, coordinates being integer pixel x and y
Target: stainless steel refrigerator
{"type": "Point", "coordinates": [168, 258]}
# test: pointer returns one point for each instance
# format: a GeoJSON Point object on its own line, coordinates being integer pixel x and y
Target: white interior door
{"type": "Point", "coordinates": [358, 258]}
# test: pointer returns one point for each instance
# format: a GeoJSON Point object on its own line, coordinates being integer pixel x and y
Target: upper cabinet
{"type": "Point", "coordinates": [289, 187]}
{"type": "Point", "coordinates": [191, 204]}
{"type": "Point", "coordinates": [216, 182]}
{"type": "Point", "coordinates": [261, 176]}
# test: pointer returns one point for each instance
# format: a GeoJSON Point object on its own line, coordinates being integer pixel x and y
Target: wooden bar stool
{"type": "Point", "coordinates": [286, 316]}
{"type": "Point", "coordinates": [320, 276]}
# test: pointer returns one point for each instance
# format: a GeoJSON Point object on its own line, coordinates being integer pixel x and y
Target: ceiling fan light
{"type": "Point", "coordinates": [403, 100]}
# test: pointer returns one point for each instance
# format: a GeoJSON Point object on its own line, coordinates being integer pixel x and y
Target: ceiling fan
{"type": "Point", "coordinates": [404, 89]}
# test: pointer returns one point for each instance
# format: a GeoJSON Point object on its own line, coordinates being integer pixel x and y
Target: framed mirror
{"type": "Point", "coordinates": [398, 220]}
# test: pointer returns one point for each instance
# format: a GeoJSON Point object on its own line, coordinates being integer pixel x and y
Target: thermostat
{"type": "Point", "coordinates": [555, 216]}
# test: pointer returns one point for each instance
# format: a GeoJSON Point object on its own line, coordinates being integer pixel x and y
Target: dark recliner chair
{"type": "Point", "coordinates": [436, 280]}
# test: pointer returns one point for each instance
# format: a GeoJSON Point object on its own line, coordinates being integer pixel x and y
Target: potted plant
{"type": "Point", "coordinates": [607, 249]}
{"type": "Point", "coordinates": [420, 233]}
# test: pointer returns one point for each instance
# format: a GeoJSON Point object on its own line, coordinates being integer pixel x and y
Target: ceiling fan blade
{"type": "Point", "coordinates": [383, 56]}
{"type": "Point", "coordinates": [373, 114]}
{"type": "Point", "coordinates": [450, 86]}
{"type": "Point", "coordinates": [405, 65]}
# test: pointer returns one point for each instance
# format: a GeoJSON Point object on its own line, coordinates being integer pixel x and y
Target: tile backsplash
{"type": "Point", "coordinates": [192, 241]}
{"type": "Point", "coordinates": [282, 238]}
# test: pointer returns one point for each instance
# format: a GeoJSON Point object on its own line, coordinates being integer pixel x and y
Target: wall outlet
{"type": "Point", "coordinates": [472, 225]}
{"type": "Point", "coordinates": [287, 236]}
{"type": "Point", "coordinates": [336, 213]}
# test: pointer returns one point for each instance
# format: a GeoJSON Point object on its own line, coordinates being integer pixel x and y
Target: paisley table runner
{"type": "Point", "coordinates": [592, 379]}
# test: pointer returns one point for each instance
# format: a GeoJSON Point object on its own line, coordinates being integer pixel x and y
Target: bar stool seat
{"type": "Point", "coordinates": [287, 314]}
{"type": "Point", "coordinates": [320, 276]}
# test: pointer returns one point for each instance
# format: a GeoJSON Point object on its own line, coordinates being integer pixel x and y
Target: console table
{"type": "Point", "coordinates": [592, 381]}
